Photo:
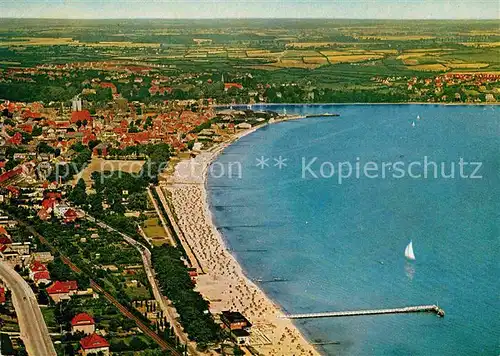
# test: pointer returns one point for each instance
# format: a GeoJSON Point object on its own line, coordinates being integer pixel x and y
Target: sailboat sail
{"type": "Point", "coordinates": [409, 251]}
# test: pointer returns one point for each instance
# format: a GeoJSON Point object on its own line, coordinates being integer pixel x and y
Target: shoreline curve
{"type": "Point", "coordinates": [224, 274]}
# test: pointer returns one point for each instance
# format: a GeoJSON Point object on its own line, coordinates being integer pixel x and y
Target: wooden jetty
{"type": "Point", "coordinates": [413, 309]}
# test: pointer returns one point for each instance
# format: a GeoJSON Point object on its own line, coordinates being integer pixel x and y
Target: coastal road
{"type": "Point", "coordinates": [168, 311]}
{"type": "Point", "coordinates": [34, 332]}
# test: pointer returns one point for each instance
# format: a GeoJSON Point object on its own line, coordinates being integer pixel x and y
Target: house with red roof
{"type": "Point", "coordinates": [43, 214]}
{"type": "Point", "coordinates": [5, 243]}
{"type": "Point", "coordinates": [3, 233]}
{"type": "Point", "coordinates": [28, 114]}
{"type": "Point", "coordinates": [110, 86]}
{"type": "Point", "coordinates": [53, 195]}
{"type": "Point", "coordinates": [81, 116]}
{"type": "Point", "coordinates": [61, 126]}
{"type": "Point", "coordinates": [93, 344]}
{"type": "Point", "coordinates": [139, 137]}
{"type": "Point", "coordinates": [49, 204]}
{"type": "Point", "coordinates": [38, 273]}
{"type": "Point", "coordinates": [63, 145]}
{"type": "Point", "coordinates": [28, 128]}
{"type": "Point", "coordinates": [36, 267]}
{"type": "Point", "coordinates": [120, 130]}
{"type": "Point", "coordinates": [154, 89]}
{"type": "Point", "coordinates": [13, 191]}
{"type": "Point", "coordinates": [62, 290]}
{"type": "Point", "coordinates": [70, 216]}
{"type": "Point", "coordinates": [42, 277]}
{"type": "Point", "coordinates": [126, 141]}
{"type": "Point", "coordinates": [10, 175]}
{"type": "Point", "coordinates": [228, 86]}
{"type": "Point", "coordinates": [82, 323]}
{"type": "Point", "coordinates": [16, 139]}
{"type": "Point", "coordinates": [2, 296]}
{"type": "Point", "coordinates": [88, 137]}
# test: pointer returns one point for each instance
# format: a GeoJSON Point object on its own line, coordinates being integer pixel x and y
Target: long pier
{"type": "Point", "coordinates": [414, 309]}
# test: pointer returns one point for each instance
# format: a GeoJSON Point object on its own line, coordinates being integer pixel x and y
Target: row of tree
{"type": "Point", "coordinates": [176, 284]}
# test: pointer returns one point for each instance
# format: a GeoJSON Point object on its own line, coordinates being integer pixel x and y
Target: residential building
{"type": "Point", "coordinates": [235, 321]}
{"type": "Point", "coordinates": [70, 216]}
{"type": "Point", "coordinates": [94, 344]}
{"type": "Point", "coordinates": [62, 290]}
{"type": "Point", "coordinates": [2, 296]}
{"type": "Point", "coordinates": [242, 337]}
{"type": "Point", "coordinates": [36, 267]}
{"type": "Point", "coordinates": [43, 257]}
{"type": "Point", "coordinates": [82, 323]}
{"type": "Point", "coordinates": [41, 278]}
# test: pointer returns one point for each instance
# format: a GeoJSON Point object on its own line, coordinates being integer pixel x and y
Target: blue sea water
{"type": "Point", "coordinates": [340, 246]}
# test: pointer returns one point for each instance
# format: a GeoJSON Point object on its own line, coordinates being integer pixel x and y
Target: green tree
{"type": "Point", "coordinates": [95, 204]}
{"type": "Point", "coordinates": [43, 147]}
{"type": "Point", "coordinates": [78, 194]}
{"type": "Point", "coordinates": [138, 201]}
{"type": "Point", "coordinates": [137, 344]}
{"type": "Point", "coordinates": [237, 351]}
{"type": "Point", "coordinates": [37, 131]}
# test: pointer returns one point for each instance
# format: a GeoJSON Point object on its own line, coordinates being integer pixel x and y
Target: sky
{"type": "Point", "coordinates": [174, 9]}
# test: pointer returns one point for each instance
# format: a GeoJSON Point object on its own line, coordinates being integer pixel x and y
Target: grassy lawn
{"type": "Point", "coordinates": [49, 317]}
{"type": "Point", "coordinates": [132, 343]}
{"type": "Point", "coordinates": [153, 229]}
{"type": "Point", "coordinates": [157, 243]}
{"type": "Point", "coordinates": [139, 293]}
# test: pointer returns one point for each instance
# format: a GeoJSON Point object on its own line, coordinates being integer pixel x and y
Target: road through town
{"type": "Point", "coordinates": [34, 332]}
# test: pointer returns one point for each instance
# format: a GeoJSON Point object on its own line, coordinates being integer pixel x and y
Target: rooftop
{"type": "Point", "coordinates": [62, 287]}
{"type": "Point", "coordinates": [93, 341]}
{"type": "Point", "coordinates": [234, 317]}
{"type": "Point", "coordinates": [82, 319]}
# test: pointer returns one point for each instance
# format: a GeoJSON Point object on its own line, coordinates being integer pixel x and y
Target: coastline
{"type": "Point", "coordinates": [225, 283]}
{"type": "Point", "coordinates": [220, 106]}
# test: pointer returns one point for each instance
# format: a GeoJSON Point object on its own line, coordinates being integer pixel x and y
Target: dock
{"type": "Point", "coordinates": [321, 115]}
{"type": "Point", "coordinates": [413, 309]}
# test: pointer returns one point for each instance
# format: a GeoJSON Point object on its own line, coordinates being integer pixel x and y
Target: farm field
{"type": "Point", "coordinates": [278, 42]}
{"type": "Point", "coordinates": [332, 54]}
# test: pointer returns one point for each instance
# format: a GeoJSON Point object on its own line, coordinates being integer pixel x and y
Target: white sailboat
{"type": "Point", "coordinates": [409, 251]}
{"type": "Point", "coordinates": [418, 117]}
{"type": "Point", "coordinates": [413, 124]}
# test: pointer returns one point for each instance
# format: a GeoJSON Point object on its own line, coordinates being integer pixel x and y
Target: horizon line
{"type": "Point", "coordinates": [253, 18]}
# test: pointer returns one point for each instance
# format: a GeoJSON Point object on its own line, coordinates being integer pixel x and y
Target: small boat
{"type": "Point", "coordinates": [413, 124]}
{"type": "Point", "coordinates": [409, 251]}
{"type": "Point", "coordinates": [418, 117]}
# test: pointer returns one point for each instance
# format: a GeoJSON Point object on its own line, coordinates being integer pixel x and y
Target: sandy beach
{"type": "Point", "coordinates": [224, 283]}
